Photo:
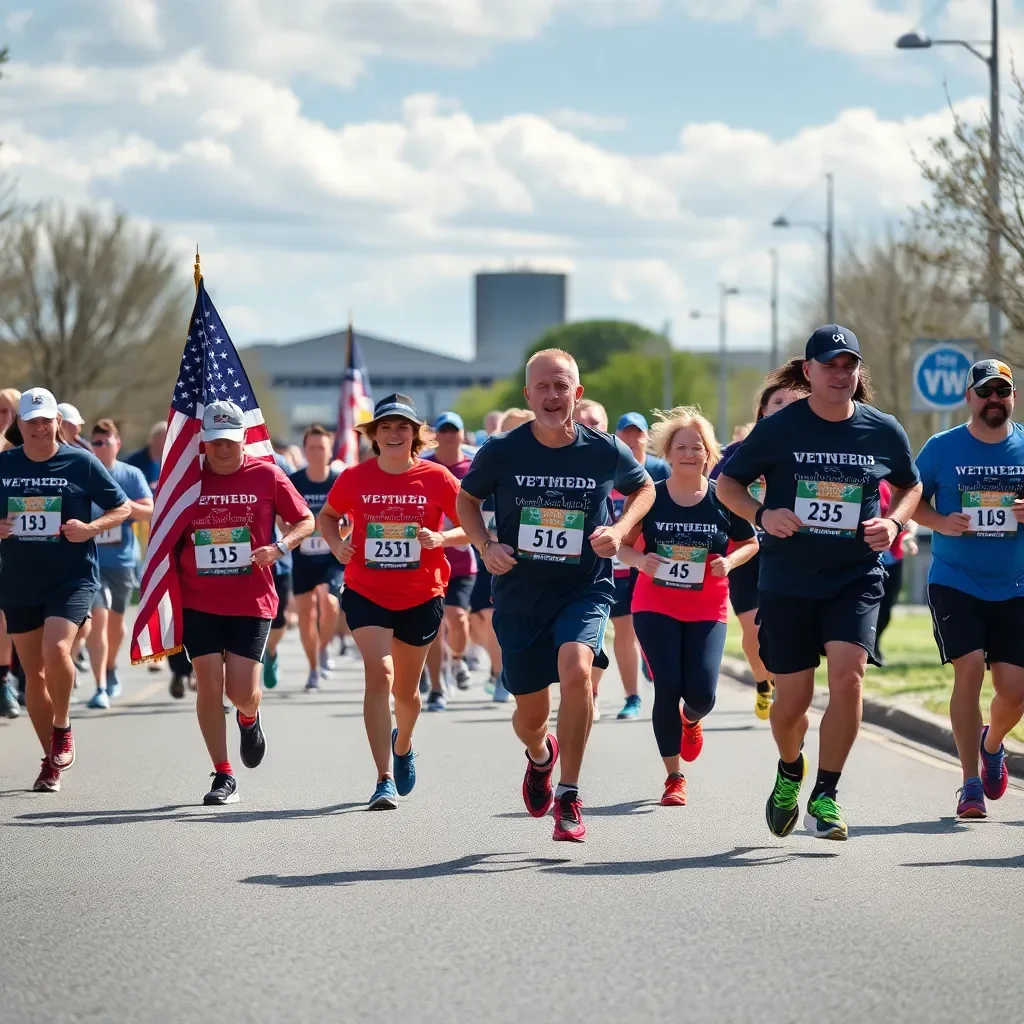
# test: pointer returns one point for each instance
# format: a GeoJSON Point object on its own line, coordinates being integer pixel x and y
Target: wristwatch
{"type": "Point", "coordinates": [900, 527]}
{"type": "Point", "coordinates": [757, 517]}
{"type": "Point", "coordinates": [282, 546]}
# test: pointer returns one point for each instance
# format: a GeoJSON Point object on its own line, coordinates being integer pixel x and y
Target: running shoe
{"type": "Point", "coordinates": [783, 808]}
{"type": "Point", "coordinates": [313, 680]}
{"type": "Point", "coordinates": [8, 701]}
{"type": "Point", "coordinates": [424, 682]}
{"type": "Point", "coordinates": [971, 800]}
{"type": "Point", "coordinates": [569, 827]}
{"type": "Point", "coordinates": [113, 684]}
{"type": "Point", "coordinates": [537, 790]}
{"type": "Point", "coordinates": [270, 670]}
{"type": "Point", "coordinates": [223, 791]}
{"type": "Point", "coordinates": [824, 818]}
{"type": "Point", "coordinates": [675, 791]}
{"type": "Point", "coordinates": [62, 749]}
{"type": "Point", "coordinates": [385, 796]}
{"type": "Point", "coordinates": [500, 695]}
{"type": "Point", "coordinates": [461, 673]}
{"type": "Point", "coordinates": [405, 768]}
{"type": "Point", "coordinates": [597, 710]}
{"type": "Point", "coordinates": [472, 657]}
{"type": "Point", "coordinates": [490, 685]}
{"type": "Point", "coordinates": [252, 741]}
{"type": "Point", "coordinates": [99, 700]}
{"type": "Point", "coordinates": [693, 740]}
{"type": "Point", "coordinates": [177, 687]}
{"type": "Point", "coordinates": [631, 709]}
{"type": "Point", "coordinates": [437, 701]}
{"type": "Point", "coordinates": [48, 780]}
{"type": "Point", "coordinates": [994, 776]}
{"type": "Point", "coordinates": [763, 700]}
{"type": "Point", "coordinates": [326, 662]}
{"type": "Point", "coordinates": [81, 661]}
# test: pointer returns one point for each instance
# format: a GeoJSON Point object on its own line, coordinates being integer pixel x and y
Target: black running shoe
{"type": "Point", "coordinates": [223, 791]}
{"type": "Point", "coordinates": [253, 743]}
{"type": "Point", "coordinates": [177, 687]}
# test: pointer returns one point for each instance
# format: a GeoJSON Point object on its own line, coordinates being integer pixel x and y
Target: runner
{"type": "Point", "coordinates": [71, 423]}
{"type": "Point", "coordinates": [224, 563]}
{"type": "Point", "coordinates": [632, 431]}
{"type": "Point", "coordinates": [974, 474]}
{"type": "Point", "coordinates": [743, 579]}
{"type": "Point", "coordinates": [395, 577]}
{"type": "Point", "coordinates": [454, 634]}
{"type": "Point", "coordinates": [118, 554]}
{"type": "Point", "coordinates": [316, 575]}
{"type": "Point", "coordinates": [821, 576]}
{"type": "Point", "coordinates": [551, 480]}
{"type": "Point", "coordinates": [48, 569]}
{"type": "Point", "coordinates": [691, 542]}
{"type": "Point", "coordinates": [893, 560]}
{"type": "Point", "coordinates": [9, 399]}
{"type": "Point", "coordinates": [148, 459]}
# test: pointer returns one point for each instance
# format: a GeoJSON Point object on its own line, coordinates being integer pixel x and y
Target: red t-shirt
{"type": "Point", "coordinates": [234, 516]}
{"type": "Point", "coordinates": [387, 509]}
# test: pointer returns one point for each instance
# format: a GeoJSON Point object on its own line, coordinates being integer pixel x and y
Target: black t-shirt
{"type": "Point", "coordinates": [547, 502]}
{"type": "Point", "coordinates": [41, 496]}
{"type": "Point", "coordinates": [828, 473]}
{"type": "Point", "coordinates": [315, 495]}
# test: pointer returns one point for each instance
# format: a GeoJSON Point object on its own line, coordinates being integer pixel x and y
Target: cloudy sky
{"type": "Point", "coordinates": [330, 155]}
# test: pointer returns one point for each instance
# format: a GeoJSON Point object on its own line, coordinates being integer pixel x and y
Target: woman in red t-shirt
{"type": "Point", "coordinates": [686, 546]}
{"type": "Point", "coordinates": [224, 562]}
{"type": "Point", "coordinates": [395, 577]}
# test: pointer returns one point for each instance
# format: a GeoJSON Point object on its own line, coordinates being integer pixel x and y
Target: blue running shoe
{"type": "Point", "coordinates": [113, 684]}
{"type": "Point", "coordinates": [8, 700]}
{"type": "Point", "coordinates": [631, 709]}
{"type": "Point", "coordinates": [500, 695]}
{"type": "Point", "coordinates": [405, 768]}
{"type": "Point", "coordinates": [385, 796]}
{"type": "Point", "coordinates": [437, 701]}
{"type": "Point", "coordinates": [99, 700]}
{"type": "Point", "coordinates": [270, 670]}
{"type": "Point", "coordinates": [971, 803]}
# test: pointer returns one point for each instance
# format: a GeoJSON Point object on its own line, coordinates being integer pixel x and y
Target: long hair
{"type": "Point", "coordinates": [667, 423]}
{"type": "Point", "coordinates": [790, 377]}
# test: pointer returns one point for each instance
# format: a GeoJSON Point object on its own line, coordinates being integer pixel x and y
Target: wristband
{"type": "Point", "coordinates": [758, 515]}
{"type": "Point", "coordinates": [283, 547]}
{"type": "Point", "coordinates": [900, 527]}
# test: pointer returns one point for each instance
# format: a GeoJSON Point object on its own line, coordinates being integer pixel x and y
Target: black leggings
{"type": "Point", "coordinates": [684, 659]}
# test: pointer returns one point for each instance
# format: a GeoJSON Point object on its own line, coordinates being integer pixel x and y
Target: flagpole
{"type": "Point", "coordinates": [197, 273]}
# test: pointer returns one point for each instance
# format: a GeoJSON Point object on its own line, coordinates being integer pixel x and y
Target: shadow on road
{"type": "Point", "coordinates": [734, 858]}
{"type": "Point", "coordinates": [608, 811]}
{"type": "Point", "coordinates": [970, 862]}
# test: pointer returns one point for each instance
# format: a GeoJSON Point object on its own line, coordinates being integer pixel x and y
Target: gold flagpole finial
{"type": "Point", "coordinates": [198, 273]}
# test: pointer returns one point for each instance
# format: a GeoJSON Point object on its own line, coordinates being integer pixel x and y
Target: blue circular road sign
{"type": "Point", "coordinates": [940, 377]}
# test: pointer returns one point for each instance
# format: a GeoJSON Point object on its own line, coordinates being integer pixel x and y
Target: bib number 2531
{"type": "Point", "coordinates": [391, 546]}
{"type": "Point", "coordinates": [551, 535]}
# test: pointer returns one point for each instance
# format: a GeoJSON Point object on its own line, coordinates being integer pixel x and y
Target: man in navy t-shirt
{"type": "Point", "coordinates": [551, 480]}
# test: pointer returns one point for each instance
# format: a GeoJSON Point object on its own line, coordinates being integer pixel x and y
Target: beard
{"type": "Point", "coordinates": [995, 414]}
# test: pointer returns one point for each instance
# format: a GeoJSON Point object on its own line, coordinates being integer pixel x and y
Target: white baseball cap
{"type": "Point", "coordinates": [36, 403]}
{"type": "Point", "coordinates": [223, 421]}
{"type": "Point", "coordinates": [70, 414]}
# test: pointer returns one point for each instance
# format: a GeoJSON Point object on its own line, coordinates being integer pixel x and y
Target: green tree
{"type": "Point", "coordinates": [593, 342]}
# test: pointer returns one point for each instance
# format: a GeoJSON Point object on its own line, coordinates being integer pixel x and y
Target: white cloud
{"type": "Point", "coordinates": [581, 121]}
{"type": "Point", "coordinates": [16, 21]}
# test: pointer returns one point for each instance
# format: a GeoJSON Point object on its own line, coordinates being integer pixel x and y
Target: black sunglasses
{"type": "Point", "coordinates": [999, 390]}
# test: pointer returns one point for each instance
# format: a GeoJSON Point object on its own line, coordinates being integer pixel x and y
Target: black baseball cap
{"type": "Point", "coordinates": [988, 369]}
{"type": "Point", "coordinates": [393, 405]}
{"type": "Point", "coordinates": [830, 341]}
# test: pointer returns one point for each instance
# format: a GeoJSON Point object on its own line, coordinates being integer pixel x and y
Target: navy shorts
{"type": "Point", "coordinates": [310, 573]}
{"type": "Point", "coordinates": [743, 586]}
{"type": "Point", "coordinates": [624, 586]}
{"type": "Point", "coordinates": [416, 626]}
{"type": "Point", "coordinates": [73, 605]}
{"type": "Point", "coordinates": [459, 593]}
{"type": "Point", "coordinates": [480, 599]}
{"type": "Point", "coordinates": [529, 649]}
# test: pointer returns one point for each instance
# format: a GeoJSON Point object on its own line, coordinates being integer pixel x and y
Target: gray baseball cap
{"type": "Point", "coordinates": [223, 421]}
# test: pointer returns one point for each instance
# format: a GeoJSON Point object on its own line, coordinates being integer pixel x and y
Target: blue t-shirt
{"type": "Point", "coordinates": [828, 473]}
{"type": "Point", "coordinates": [120, 549]}
{"type": "Point", "coordinates": [657, 468]}
{"type": "Point", "coordinates": [313, 550]}
{"type": "Point", "coordinates": [547, 502]}
{"type": "Point", "coordinates": [963, 474]}
{"type": "Point", "coordinates": [44, 495]}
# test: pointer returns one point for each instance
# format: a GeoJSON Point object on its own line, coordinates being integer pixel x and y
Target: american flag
{"type": "Point", "coordinates": [210, 371]}
{"type": "Point", "coordinates": [355, 405]}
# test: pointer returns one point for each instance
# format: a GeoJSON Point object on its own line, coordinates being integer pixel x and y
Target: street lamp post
{"type": "Point", "coordinates": [724, 291]}
{"type": "Point", "coordinates": [774, 300]}
{"type": "Point", "coordinates": [915, 41]}
{"type": "Point", "coordinates": [827, 231]}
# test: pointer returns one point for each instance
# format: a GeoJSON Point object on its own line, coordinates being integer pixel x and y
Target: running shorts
{"type": "Point", "coordinates": [116, 585]}
{"type": "Point", "coordinates": [624, 586]}
{"type": "Point", "coordinates": [308, 574]}
{"type": "Point", "coordinates": [480, 599]}
{"type": "Point", "coordinates": [416, 626]}
{"type": "Point", "coordinates": [205, 633]}
{"type": "Point", "coordinates": [529, 649]}
{"type": "Point", "coordinates": [963, 623]}
{"type": "Point", "coordinates": [283, 586]}
{"type": "Point", "coordinates": [743, 586]}
{"type": "Point", "coordinates": [460, 592]}
{"type": "Point", "coordinates": [793, 631]}
{"type": "Point", "coordinates": [71, 604]}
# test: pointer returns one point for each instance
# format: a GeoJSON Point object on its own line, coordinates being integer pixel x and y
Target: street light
{"type": "Point", "coordinates": [774, 301]}
{"type": "Point", "coordinates": [724, 291]}
{"type": "Point", "coordinates": [914, 41]}
{"type": "Point", "coordinates": [827, 231]}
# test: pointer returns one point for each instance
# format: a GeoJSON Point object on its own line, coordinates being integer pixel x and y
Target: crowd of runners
{"type": "Point", "coordinates": [440, 553]}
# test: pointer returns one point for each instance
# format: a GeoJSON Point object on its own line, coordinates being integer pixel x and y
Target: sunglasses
{"type": "Point", "coordinates": [101, 442]}
{"type": "Point", "coordinates": [999, 390]}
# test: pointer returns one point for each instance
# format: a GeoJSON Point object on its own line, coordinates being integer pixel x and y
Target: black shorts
{"type": "Point", "coordinates": [204, 633]}
{"type": "Point", "coordinates": [624, 586]}
{"type": "Point", "coordinates": [310, 573]}
{"type": "Point", "coordinates": [743, 586]}
{"type": "Point", "coordinates": [283, 586]}
{"type": "Point", "coordinates": [480, 599]}
{"type": "Point", "coordinates": [73, 605]}
{"type": "Point", "coordinates": [460, 592]}
{"type": "Point", "coordinates": [963, 623]}
{"type": "Point", "coordinates": [416, 626]}
{"type": "Point", "coordinates": [793, 631]}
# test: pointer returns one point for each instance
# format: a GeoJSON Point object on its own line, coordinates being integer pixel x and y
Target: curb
{"type": "Point", "coordinates": [909, 721]}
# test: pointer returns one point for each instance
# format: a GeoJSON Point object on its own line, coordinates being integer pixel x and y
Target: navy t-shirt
{"type": "Point", "coordinates": [41, 496]}
{"type": "Point", "coordinates": [657, 468]}
{"type": "Point", "coordinates": [547, 502]}
{"type": "Point", "coordinates": [313, 549]}
{"type": "Point", "coordinates": [828, 473]}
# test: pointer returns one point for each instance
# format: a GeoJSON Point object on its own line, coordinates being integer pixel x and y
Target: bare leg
{"type": "Point", "coordinates": [329, 612]}
{"type": "Point", "coordinates": [98, 646]}
{"type": "Point", "coordinates": [37, 699]}
{"type": "Point", "coordinates": [841, 721]}
{"type": "Point", "coordinates": [1007, 704]}
{"type": "Point", "coordinates": [627, 654]}
{"type": "Point", "coordinates": [306, 605]}
{"type": "Point", "coordinates": [965, 709]}
{"type": "Point", "coordinates": [58, 636]}
{"type": "Point", "coordinates": [408, 664]}
{"type": "Point", "coordinates": [374, 643]}
{"type": "Point", "coordinates": [751, 647]}
{"type": "Point", "coordinates": [209, 671]}
{"type": "Point", "coordinates": [793, 693]}
{"type": "Point", "coordinates": [530, 722]}
{"type": "Point", "coordinates": [576, 710]}
{"type": "Point", "coordinates": [242, 684]}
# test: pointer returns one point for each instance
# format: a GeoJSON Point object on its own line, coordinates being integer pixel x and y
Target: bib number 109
{"type": "Point", "coordinates": [990, 512]}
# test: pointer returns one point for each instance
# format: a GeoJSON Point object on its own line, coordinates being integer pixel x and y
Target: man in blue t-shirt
{"type": "Point", "coordinates": [551, 480]}
{"type": "Point", "coordinates": [118, 552]}
{"type": "Point", "coordinates": [973, 476]}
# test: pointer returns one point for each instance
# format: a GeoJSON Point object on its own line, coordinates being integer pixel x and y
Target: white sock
{"type": "Point", "coordinates": [562, 788]}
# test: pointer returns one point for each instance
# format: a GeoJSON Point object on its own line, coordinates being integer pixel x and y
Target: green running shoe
{"type": "Point", "coordinates": [270, 671]}
{"type": "Point", "coordinates": [783, 807]}
{"type": "Point", "coordinates": [824, 818]}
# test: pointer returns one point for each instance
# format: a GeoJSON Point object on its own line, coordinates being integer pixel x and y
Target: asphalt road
{"type": "Point", "coordinates": [124, 899]}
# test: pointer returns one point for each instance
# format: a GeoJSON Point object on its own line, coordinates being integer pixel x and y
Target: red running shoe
{"type": "Point", "coordinates": [994, 776]}
{"type": "Point", "coordinates": [48, 780]}
{"type": "Point", "coordinates": [538, 792]}
{"type": "Point", "coordinates": [675, 791]}
{"type": "Point", "coordinates": [693, 740]}
{"type": "Point", "coordinates": [569, 827]}
{"type": "Point", "coordinates": [62, 749]}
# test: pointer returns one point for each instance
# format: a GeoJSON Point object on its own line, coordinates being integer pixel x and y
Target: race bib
{"type": "Point", "coordinates": [828, 506]}
{"type": "Point", "coordinates": [756, 491]}
{"type": "Point", "coordinates": [391, 546]}
{"type": "Point", "coordinates": [991, 512]}
{"type": "Point", "coordinates": [35, 518]}
{"type": "Point", "coordinates": [111, 536]}
{"type": "Point", "coordinates": [314, 544]}
{"type": "Point", "coordinates": [685, 568]}
{"type": "Point", "coordinates": [551, 535]}
{"type": "Point", "coordinates": [490, 521]}
{"type": "Point", "coordinates": [223, 552]}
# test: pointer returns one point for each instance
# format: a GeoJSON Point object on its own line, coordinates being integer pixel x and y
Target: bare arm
{"type": "Point", "coordinates": [77, 532]}
{"type": "Point", "coordinates": [333, 533]}
{"type": "Point", "coordinates": [742, 553]}
{"type": "Point", "coordinates": [879, 533]}
{"type": "Point", "coordinates": [608, 540]}
{"type": "Point", "coordinates": [141, 510]}
{"type": "Point", "coordinates": [498, 558]}
{"type": "Point", "coordinates": [294, 534]}
{"type": "Point", "coordinates": [779, 522]}
{"type": "Point", "coordinates": [953, 525]}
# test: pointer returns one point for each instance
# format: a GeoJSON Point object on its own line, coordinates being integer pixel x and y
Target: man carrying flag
{"type": "Point", "coordinates": [355, 404]}
{"type": "Point", "coordinates": [208, 582]}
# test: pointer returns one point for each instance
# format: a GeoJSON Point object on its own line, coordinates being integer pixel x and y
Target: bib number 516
{"type": "Point", "coordinates": [550, 539]}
